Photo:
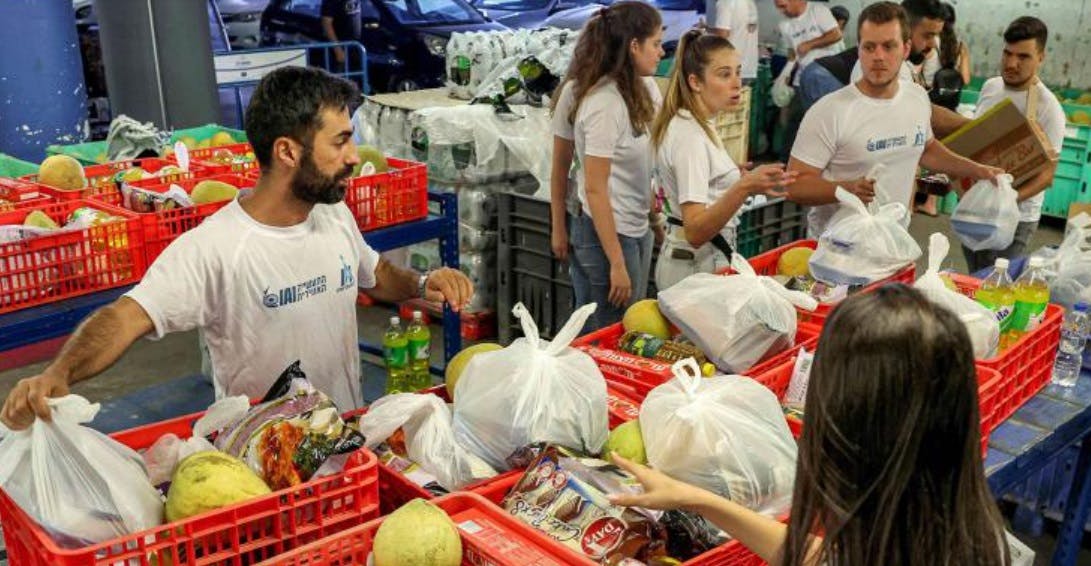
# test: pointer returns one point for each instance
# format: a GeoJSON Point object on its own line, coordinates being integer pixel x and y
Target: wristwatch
{"type": "Point", "coordinates": [422, 283]}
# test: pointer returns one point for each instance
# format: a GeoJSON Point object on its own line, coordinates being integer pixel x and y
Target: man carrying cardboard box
{"type": "Point", "coordinates": [1024, 52]}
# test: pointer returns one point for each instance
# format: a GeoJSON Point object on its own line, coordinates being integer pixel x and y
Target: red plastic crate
{"type": "Point", "coordinates": [397, 490]}
{"type": "Point", "coordinates": [490, 537]}
{"type": "Point", "coordinates": [100, 178]}
{"type": "Point", "coordinates": [730, 554]}
{"type": "Point", "coordinates": [766, 264]}
{"type": "Point", "coordinates": [16, 194]}
{"type": "Point", "coordinates": [993, 396]}
{"type": "Point", "coordinates": [162, 228]}
{"type": "Point", "coordinates": [384, 199]}
{"type": "Point", "coordinates": [1026, 366]}
{"type": "Point", "coordinates": [203, 157]}
{"type": "Point", "coordinates": [641, 375]}
{"type": "Point", "coordinates": [68, 264]}
{"type": "Point", "coordinates": [244, 533]}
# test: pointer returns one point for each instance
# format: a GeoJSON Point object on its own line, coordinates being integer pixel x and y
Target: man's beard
{"type": "Point", "coordinates": [312, 186]}
{"type": "Point", "coordinates": [916, 57]}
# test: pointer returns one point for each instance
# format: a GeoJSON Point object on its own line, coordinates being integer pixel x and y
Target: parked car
{"type": "Point", "coordinates": [405, 40]}
{"type": "Point", "coordinates": [526, 14]}
{"type": "Point", "coordinates": [242, 18]}
{"type": "Point", "coordinates": [678, 16]}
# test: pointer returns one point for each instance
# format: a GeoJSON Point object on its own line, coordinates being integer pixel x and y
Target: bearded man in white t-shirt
{"type": "Point", "coordinates": [877, 120]}
{"type": "Point", "coordinates": [1023, 54]}
{"type": "Point", "coordinates": [270, 278]}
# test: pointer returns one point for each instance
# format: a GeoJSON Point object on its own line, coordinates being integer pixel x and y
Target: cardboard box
{"type": "Point", "coordinates": [1004, 138]}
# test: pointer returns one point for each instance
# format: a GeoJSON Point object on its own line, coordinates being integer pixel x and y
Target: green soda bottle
{"type": "Point", "coordinates": [1031, 298]}
{"type": "Point", "coordinates": [396, 355]}
{"type": "Point", "coordinates": [420, 342]}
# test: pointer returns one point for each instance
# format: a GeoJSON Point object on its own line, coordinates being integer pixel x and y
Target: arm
{"type": "Point", "coordinates": [597, 175]}
{"type": "Point", "coordinates": [558, 193]}
{"type": "Point", "coordinates": [762, 535]}
{"type": "Point", "coordinates": [945, 122]}
{"type": "Point", "coordinates": [702, 222]}
{"type": "Point", "coordinates": [964, 62]}
{"type": "Point", "coordinates": [95, 345]}
{"type": "Point", "coordinates": [825, 40]}
{"type": "Point", "coordinates": [938, 158]}
{"type": "Point", "coordinates": [331, 35]}
{"type": "Point", "coordinates": [394, 284]}
{"type": "Point", "coordinates": [1040, 182]}
{"type": "Point", "coordinates": [811, 189]}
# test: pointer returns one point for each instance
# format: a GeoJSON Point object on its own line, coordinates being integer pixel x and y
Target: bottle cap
{"type": "Point", "coordinates": [1037, 261]}
{"type": "Point", "coordinates": [394, 321]}
{"type": "Point", "coordinates": [1002, 263]}
{"type": "Point", "coordinates": [1081, 306]}
{"type": "Point", "coordinates": [417, 315]}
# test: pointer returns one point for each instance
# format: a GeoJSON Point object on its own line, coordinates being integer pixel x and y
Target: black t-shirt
{"type": "Point", "coordinates": [840, 64]}
{"type": "Point", "coordinates": [346, 18]}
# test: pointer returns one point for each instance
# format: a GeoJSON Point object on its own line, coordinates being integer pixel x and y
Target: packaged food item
{"type": "Point", "coordinates": [690, 535]}
{"type": "Point", "coordinates": [564, 495]}
{"type": "Point", "coordinates": [290, 435]}
{"type": "Point", "coordinates": [648, 346]}
{"type": "Point", "coordinates": [394, 455]}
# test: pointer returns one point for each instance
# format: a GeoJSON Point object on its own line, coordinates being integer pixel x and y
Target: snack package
{"type": "Point", "coordinates": [288, 437]}
{"type": "Point", "coordinates": [564, 496]}
{"type": "Point", "coordinates": [394, 455]}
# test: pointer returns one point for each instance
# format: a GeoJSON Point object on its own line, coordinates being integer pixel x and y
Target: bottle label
{"type": "Point", "coordinates": [1027, 316]}
{"type": "Point", "coordinates": [1003, 313]}
{"type": "Point", "coordinates": [418, 350]}
{"type": "Point", "coordinates": [396, 357]}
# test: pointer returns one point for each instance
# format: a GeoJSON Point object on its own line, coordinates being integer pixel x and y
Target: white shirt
{"type": "Point", "coordinates": [846, 133]}
{"type": "Point", "coordinates": [564, 129]}
{"type": "Point", "coordinates": [813, 23]}
{"type": "Point", "coordinates": [603, 129]}
{"type": "Point", "coordinates": [740, 17]}
{"type": "Point", "coordinates": [267, 296]}
{"type": "Point", "coordinates": [691, 168]}
{"type": "Point", "coordinates": [1051, 120]}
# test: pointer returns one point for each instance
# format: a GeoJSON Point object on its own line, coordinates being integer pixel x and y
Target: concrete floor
{"type": "Point", "coordinates": [153, 362]}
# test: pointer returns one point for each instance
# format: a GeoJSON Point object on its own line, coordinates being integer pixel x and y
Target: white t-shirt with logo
{"type": "Point", "coordinates": [603, 129]}
{"type": "Point", "coordinates": [813, 23]}
{"type": "Point", "coordinates": [267, 296]}
{"type": "Point", "coordinates": [740, 17]}
{"type": "Point", "coordinates": [1051, 120]}
{"type": "Point", "coordinates": [691, 168]}
{"type": "Point", "coordinates": [846, 133]}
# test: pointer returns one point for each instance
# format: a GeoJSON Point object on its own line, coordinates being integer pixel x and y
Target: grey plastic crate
{"type": "Point", "coordinates": [527, 270]}
{"type": "Point", "coordinates": [769, 226]}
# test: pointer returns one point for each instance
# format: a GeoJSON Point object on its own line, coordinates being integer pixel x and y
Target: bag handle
{"type": "Point", "coordinates": [797, 298]}
{"type": "Point", "coordinates": [688, 374]}
{"type": "Point", "coordinates": [852, 201]}
{"type": "Point", "coordinates": [938, 248]}
{"type": "Point", "coordinates": [567, 334]}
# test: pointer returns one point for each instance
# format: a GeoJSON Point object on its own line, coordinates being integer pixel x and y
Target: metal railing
{"type": "Point", "coordinates": [238, 72]}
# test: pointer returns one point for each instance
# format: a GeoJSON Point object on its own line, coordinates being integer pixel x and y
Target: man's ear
{"type": "Point", "coordinates": [287, 152]}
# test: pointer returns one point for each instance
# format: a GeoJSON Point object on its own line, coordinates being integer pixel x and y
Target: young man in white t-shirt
{"type": "Point", "coordinates": [1024, 52]}
{"type": "Point", "coordinates": [737, 20]}
{"type": "Point", "coordinates": [271, 278]}
{"type": "Point", "coordinates": [877, 120]}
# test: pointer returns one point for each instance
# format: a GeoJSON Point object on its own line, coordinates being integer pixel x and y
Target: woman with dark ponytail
{"type": "Point", "coordinates": [602, 118]}
{"type": "Point", "coordinates": [702, 186]}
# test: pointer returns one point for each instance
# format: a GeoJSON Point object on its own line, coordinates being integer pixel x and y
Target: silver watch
{"type": "Point", "coordinates": [422, 283]}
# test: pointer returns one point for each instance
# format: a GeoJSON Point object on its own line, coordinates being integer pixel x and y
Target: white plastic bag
{"type": "Point", "coordinates": [79, 484]}
{"type": "Point", "coordinates": [782, 87]}
{"type": "Point", "coordinates": [987, 215]}
{"type": "Point", "coordinates": [726, 434]}
{"type": "Point", "coordinates": [532, 391]}
{"type": "Point", "coordinates": [736, 320]}
{"type": "Point", "coordinates": [163, 456]}
{"type": "Point", "coordinates": [1071, 265]}
{"type": "Point", "coordinates": [429, 437]}
{"type": "Point", "coordinates": [981, 323]}
{"type": "Point", "coordinates": [859, 247]}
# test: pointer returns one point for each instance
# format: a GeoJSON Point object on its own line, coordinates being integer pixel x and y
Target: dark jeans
{"type": "Point", "coordinates": [590, 270]}
{"type": "Point", "coordinates": [976, 261]}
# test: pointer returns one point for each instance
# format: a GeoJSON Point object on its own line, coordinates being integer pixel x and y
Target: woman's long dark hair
{"type": "Point", "coordinates": [889, 465]}
{"type": "Point", "coordinates": [949, 44]}
{"type": "Point", "coordinates": [603, 51]}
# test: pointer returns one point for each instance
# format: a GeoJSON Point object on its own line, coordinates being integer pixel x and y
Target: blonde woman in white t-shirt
{"type": "Point", "coordinates": [702, 187]}
{"type": "Point", "coordinates": [602, 117]}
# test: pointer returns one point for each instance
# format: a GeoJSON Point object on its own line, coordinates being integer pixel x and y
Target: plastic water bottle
{"type": "Point", "coordinates": [998, 295]}
{"type": "Point", "coordinates": [1031, 299]}
{"type": "Point", "coordinates": [1066, 368]}
{"type": "Point", "coordinates": [396, 355]}
{"type": "Point", "coordinates": [420, 358]}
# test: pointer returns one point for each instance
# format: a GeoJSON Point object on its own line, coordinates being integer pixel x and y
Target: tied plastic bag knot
{"type": "Point", "coordinates": [860, 247]}
{"type": "Point", "coordinates": [987, 216]}
{"type": "Point", "coordinates": [981, 323]}
{"type": "Point", "coordinates": [688, 373]}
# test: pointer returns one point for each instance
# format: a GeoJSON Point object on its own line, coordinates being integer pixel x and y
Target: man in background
{"type": "Point", "coordinates": [737, 20]}
{"type": "Point", "coordinates": [341, 22]}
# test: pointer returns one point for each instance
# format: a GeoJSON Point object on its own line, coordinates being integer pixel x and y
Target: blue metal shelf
{"type": "Point", "coordinates": [37, 324]}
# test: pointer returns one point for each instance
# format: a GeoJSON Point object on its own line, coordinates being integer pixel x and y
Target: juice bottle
{"type": "Point", "coordinates": [420, 358]}
{"type": "Point", "coordinates": [1031, 298]}
{"type": "Point", "coordinates": [997, 293]}
{"type": "Point", "coordinates": [396, 355]}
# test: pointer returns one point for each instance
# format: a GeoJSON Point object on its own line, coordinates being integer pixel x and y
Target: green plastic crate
{"type": "Point", "coordinates": [769, 226]}
{"type": "Point", "coordinates": [948, 203]}
{"type": "Point", "coordinates": [664, 68]}
{"type": "Point", "coordinates": [93, 153]}
{"type": "Point", "coordinates": [969, 96]}
{"type": "Point", "coordinates": [1061, 195]}
{"type": "Point", "coordinates": [13, 167]}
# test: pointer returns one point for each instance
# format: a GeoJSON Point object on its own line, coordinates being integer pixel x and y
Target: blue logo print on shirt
{"type": "Point", "coordinates": [348, 280]}
{"type": "Point", "coordinates": [293, 294]}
